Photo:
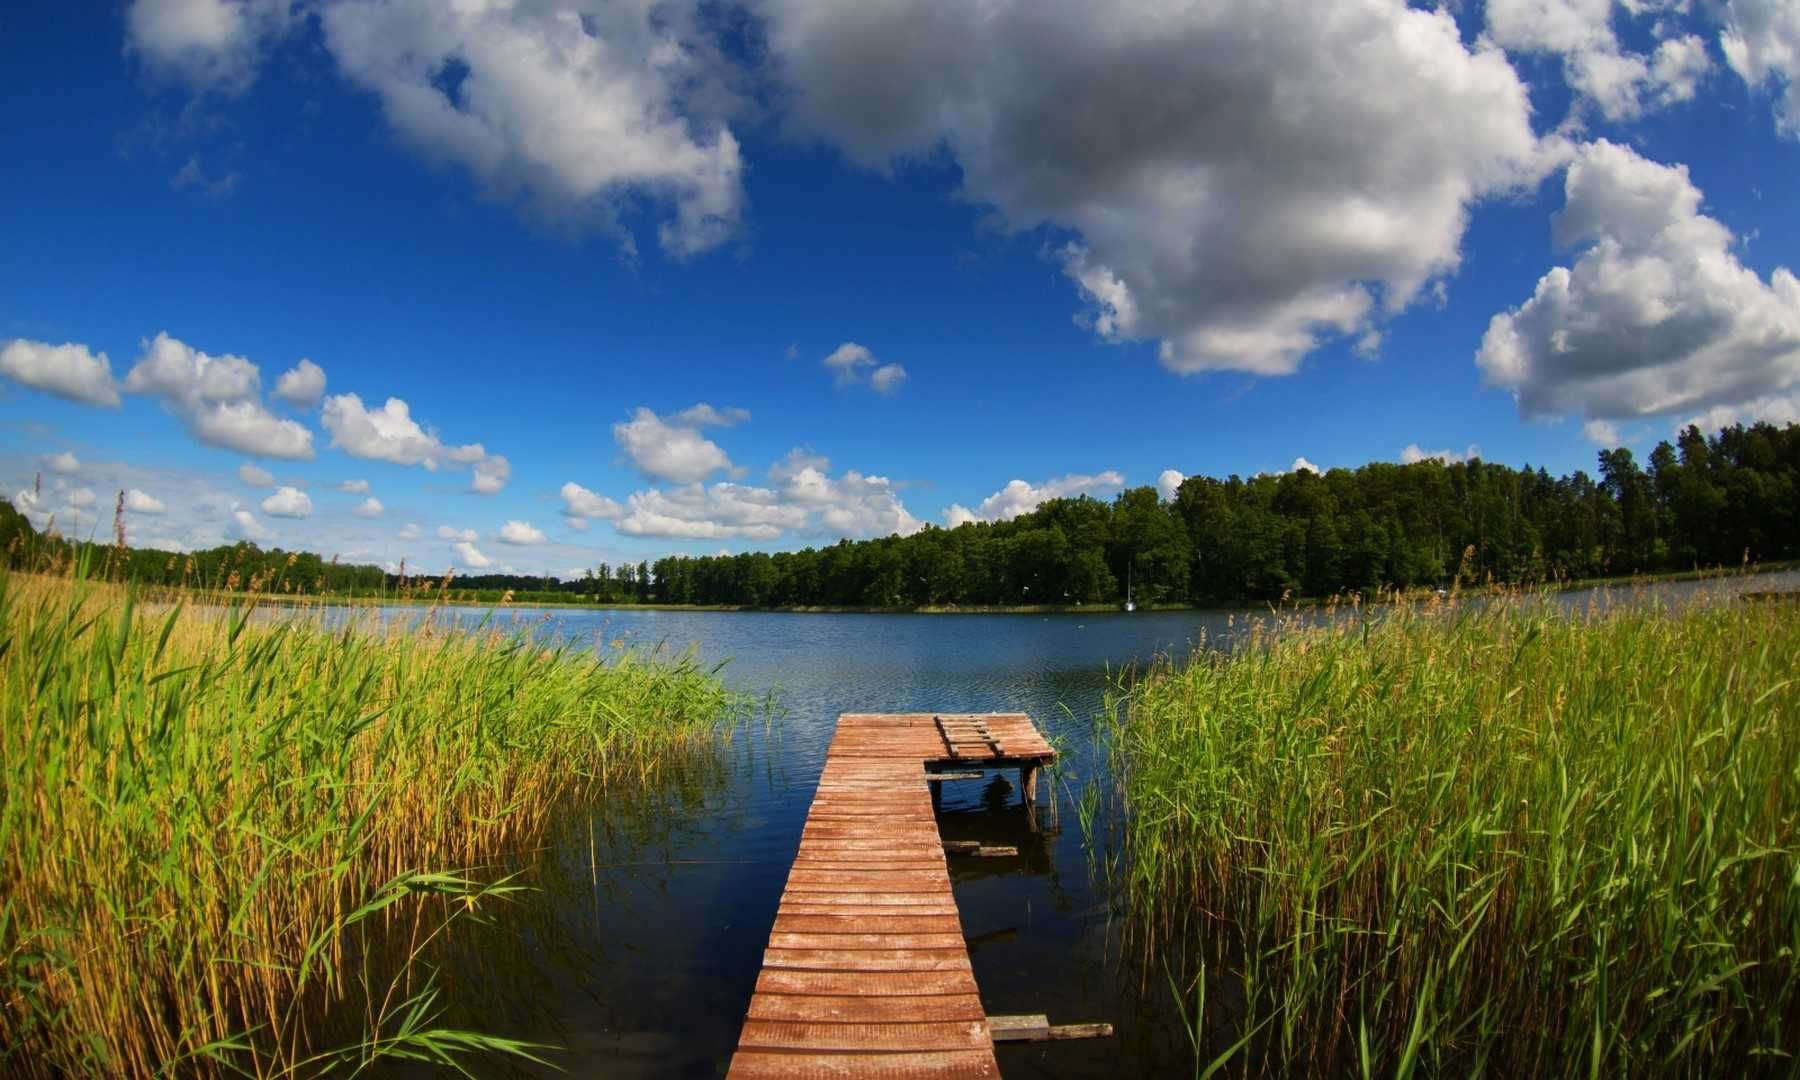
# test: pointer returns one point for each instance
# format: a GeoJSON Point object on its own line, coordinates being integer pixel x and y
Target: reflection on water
{"type": "Point", "coordinates": [640, 952]}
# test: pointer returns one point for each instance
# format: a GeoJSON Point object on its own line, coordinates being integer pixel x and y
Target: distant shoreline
{"type": "Point", "coordinates": [288, 600]}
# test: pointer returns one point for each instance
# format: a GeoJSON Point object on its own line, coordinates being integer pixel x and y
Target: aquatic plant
{"type": "Point", "coordinates": [1476, 837]}
{"type": "Point", "coordinates": [228, 843]}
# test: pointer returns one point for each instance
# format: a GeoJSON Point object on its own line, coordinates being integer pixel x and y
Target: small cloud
{"type": "Point", "coordinates": [1602, 433]}
{"type": "Point", "coordinates": [520, 533]}
{"type": "Point", "coordinates": [579, 524]}
{"type": "Point", "coordinates": [1302, 465]}
{"type": "Point", "coordinates": [579, 504]}
{"type": "Point", "coordinates": [369, 508]}
{"type": "Point", "coordinates": [471, 555]}
{"type": "Point", "coordinates": [301, 385]}
{"type": "Point", "coordinates": [445, 532]}
{"type": "Point", "coordinates": [245, 525]}
{"type": "Point", "coordinates": [852, 364]}
{"type": "Point", "coordinates": [1168, 482]}
{"type": "Point", "coordinates": [192, 175]}
{"type": "Point", "coordinates": [704, 415]}
{"type": "Point", "coordinates": [69, 371]}
{"type": "Point", "coordinates": [80, 497]}
{"type": "Point", "coordinates": [1413, 454]}
{"type": "Point", "coordinates": [64, 463]}
{"type": "Point", "coordinates": [139, 502]}
{"type": "Point", "coordinates": [887, 378]}
{"type": "Point", "coordinates": [255, 476]}
{"type": "Point", "coordinates": [288, 502]}
{"type": "Point", "coordinates": [354, 487]}
{"type": "Point", "coordinates": [490, 474]}
{"type": "Point", "coordinates": [409, 531]}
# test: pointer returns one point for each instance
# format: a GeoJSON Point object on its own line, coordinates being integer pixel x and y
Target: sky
{"type": "Point", "coordinates": [531, 285]}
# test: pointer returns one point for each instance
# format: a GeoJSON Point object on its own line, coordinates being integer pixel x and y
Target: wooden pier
{"type": "Point", "coordinates": [867, 973]}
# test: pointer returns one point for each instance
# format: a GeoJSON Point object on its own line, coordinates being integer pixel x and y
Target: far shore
{"type": "Point", "coordinates": [427, 600]}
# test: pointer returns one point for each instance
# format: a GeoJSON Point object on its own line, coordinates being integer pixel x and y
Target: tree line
{"type": "Point", "coordinates": [1700, 502]}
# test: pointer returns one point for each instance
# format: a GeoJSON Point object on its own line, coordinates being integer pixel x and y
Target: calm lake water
{"type": "Point", "coordinates": [639, 954]}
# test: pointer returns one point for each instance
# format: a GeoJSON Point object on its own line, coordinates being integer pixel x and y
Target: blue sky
{"type": "Point", "coordinates": [923, 264]}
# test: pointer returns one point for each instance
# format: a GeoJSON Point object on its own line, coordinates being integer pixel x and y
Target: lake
{"type": "Point", "coordinates": [640, 955]}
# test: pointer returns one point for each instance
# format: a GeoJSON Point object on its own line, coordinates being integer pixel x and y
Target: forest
{"type": "Point", "coordinates": [1699, 502]}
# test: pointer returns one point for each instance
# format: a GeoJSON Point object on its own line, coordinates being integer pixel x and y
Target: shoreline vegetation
{"type": "Point", "coordinates": [1731, 499]}
{"type": "Point", "coordinates": [1473, 838]}
{"type": "Point", "coordinates": [234, 846]}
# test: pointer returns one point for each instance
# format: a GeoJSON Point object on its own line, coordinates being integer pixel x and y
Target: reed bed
{"type": "Point", "coordinates": [228, 844]}
{"type": "Point", "coordinates": [1495, 838]}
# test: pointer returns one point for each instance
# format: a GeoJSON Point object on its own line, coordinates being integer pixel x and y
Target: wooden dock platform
{"type": "Point", "coordinates": [867, 973]}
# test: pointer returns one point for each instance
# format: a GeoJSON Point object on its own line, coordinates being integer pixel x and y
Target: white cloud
{"type": "Point", "coordinates": [354, 487]}
{"type": "Point", "coordinates": [1414, 453]}
{"type": "Point", "coordinates": [1168, 482]}
{"type": "Point", "coordinates": [669, 451]}
{"type": "Point", "coordinates": [193, 175]}
{"type": "Point", "coordinates": [470, 555]}
{"type": "Point", "coordinates": [208, 44]}
{"type": "Point", "coordinates": [1621, 83]}
{"type": "Point", "coordinates": [1019, 497]}
{"type": "Point", "coordinates": [579, 524]}
{"type": "Point", "coordinates": [409, 531]}
{"type": "Point", "coordinates": [69, 371]}
{"type": "Point", "coordinates": [139, 502]}
{"type": "Point", "coordinates": [704, 415]}
{"type": "Point", "coordinates": [1302, 465]}
{"type": "Point", "coordinates": [579, 113]}
{"type": "Point", "coordinates": [245, 525]}
{"type": "Point", "coordinates": [1657, 317]}
{"type": "Point", "coordinates": [217, 398]}
{"type": "Point", "coordinates": [803, 498]}
{"type": "Point", "coordinates": [490, 474]}
{"type": "Point", "coordinates": [385, 434]}
{"type": "Point", "coordinates": [1603, 433]}
{"type": "Point", "coordinates": [301, 385]}
{"type": "Point", "coordinates": [717, 511]}
{"type": "Point", "coordinates": [66, 462]}
{"type": "Point", "coordinates": [254, 475]}
{"type": "Point", "coordinates": [446, 532]}
{"type": "Point", "coordinates": [853, 504]}
{"type": "Point", "coordinates": [1761, 42]}
{"type": "Point", "coordinates": [852, 364]}
{"type": "Point", "coordinates": [579, 504]}
{"type": "Point", "coordinates": [369, 508]}
{"type": "Point", "coordinates": [887, 378]}
{"type": "Point", "coordinates": [288, 502]}
{"type": "Point", "coordinates": [521, 533]}
{"type": "Point", "coordinates": [80, 496]}
{"type": "Point", "coordinates": [391, 434]}
{"type": "Point", "coordinates": [1245, 180]}
{"type": "Point", "coordinates": [1780, 409]}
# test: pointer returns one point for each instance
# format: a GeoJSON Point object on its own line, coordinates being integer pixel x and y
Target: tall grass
{"type": "Point", "coordinates": [228, 845]}
{"type": "Point", "coordinates": [1504, 839]}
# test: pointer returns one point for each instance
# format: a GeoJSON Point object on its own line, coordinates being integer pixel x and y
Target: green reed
{"type": "Point", "coordinates": [1460, 838]}
{"type": "Point", "coordinates": [228, 845]}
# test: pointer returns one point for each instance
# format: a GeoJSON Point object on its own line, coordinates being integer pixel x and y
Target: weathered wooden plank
{"type": "Point", "coordinates": [956, 959]}
{"type": "Point", "coordinates": [866, 983]}
{"type": "Point", "coordinates": [791, 940]}
{"type": "Point", "coordinates": [869, 924]}
{"type": "Point", "coordinates": [864, 1036]}
{"type": "Point", "coordinates": [770, 1064]}
{"type": "Point", "coordinates": [867, 1008]}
